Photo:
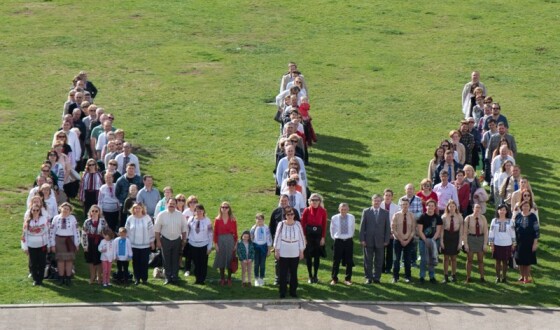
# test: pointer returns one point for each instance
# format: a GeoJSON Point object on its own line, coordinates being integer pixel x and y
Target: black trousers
{"type": "Point", "coordinates": [388, 261]}
{"type": "Point", "coordinates": [288, 266]}
{"type": "Point", "coordinates": [37, 262]}
{"type": "Point", "coordinates": [112, 219]}
{"type": "Point", "coordinates": [343, 251]}
{"type": "Point", "coordinates": [140, 261]}
{"type": "Point", "coordinates": [122, 270]}
{"type": "Point", "coordinates": [200, 260]}
{"type": "Point", "coordinates": [405, 252]}
{"type": "Point", "coordinates": [90, 198]}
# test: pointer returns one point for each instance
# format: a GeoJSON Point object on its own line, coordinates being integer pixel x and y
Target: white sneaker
{"type": "Point", "coordinates": [257, 282]}
{"type": "Point", "coordinates": [187, 273]}
{"type": "Point", "coordinates": [261, 281]}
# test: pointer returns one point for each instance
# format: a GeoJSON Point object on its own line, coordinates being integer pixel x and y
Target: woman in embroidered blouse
{"type": "Point", "coordinates": [200, 243]}
{"type": "Point", "coordinates": [90, 184]}
{"type": "Point", "coordinates": [91, 237]}
{"type": "Point", "coordinates": [527, 237]}
{"type": "Point", "coordinates": [314, 224]}
{"type": "Point", "coordinates": [225, 241]}
{"type": "Point", "coordinates": [501, 236]}
{"type": "Point", "coordinates": [289, 244]}
{"type": "Point", "coordinates": [49, 199]}
{"type": "Point", "coordinates": [140, 231]}
{"type": "Point", "coordinates": [188, 211]}
{"type": "Point", "coordinates": [109, 203]}
{"type": "Point", "coordinates": [451, 239]}
{"type": "Point", "coordinates": [65, 241]}
{"type": "Point", "coordinates": [35, 242]}
{"type": "Point", "coordinates": [475, 238]}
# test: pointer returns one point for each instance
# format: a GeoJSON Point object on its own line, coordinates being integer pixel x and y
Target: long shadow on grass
{"type": "Point", "coordinates": [329, 170]}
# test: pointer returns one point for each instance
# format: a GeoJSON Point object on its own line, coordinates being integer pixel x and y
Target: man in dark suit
{"type": "Point", "coordinates": [375, 232]}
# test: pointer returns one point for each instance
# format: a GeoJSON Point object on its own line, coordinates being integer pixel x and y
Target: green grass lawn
{"type": "Point", "coordinates": [189, 83]}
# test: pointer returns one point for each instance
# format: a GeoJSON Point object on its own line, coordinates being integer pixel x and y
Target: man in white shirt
{"type": "Point", "coordinates": [342, 232]}
{"type": "Point", "coordinates": [445, 191]}
{"type": "Point", "coordinates": [127, 157]}
{"type": "Point", "coordinates": [171, 237]}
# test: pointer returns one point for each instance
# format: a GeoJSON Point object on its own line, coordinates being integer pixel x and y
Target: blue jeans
{"type": "Point", "coordinates": [260, 261]}
{"type": "Point", "coordinates": [422, 250]}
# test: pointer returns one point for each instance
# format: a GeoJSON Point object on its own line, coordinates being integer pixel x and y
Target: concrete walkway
{"type": "Point", "coordinates": [274, 314]}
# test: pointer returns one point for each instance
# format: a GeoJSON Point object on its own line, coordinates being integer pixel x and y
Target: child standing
{"type": "Point", "coordinates": [123, 253]}
{"type": "Point", "coordinates": [246, 254]}
{"type": "Point", "coordinates": [262, 241]}
{"type": "Point", "coordinates": [107, 255]}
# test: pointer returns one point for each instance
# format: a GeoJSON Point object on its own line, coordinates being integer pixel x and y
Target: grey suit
{"type": "Point", "coordinates": [376, 232]}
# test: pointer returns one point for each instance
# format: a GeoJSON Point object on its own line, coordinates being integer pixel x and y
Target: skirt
{"type": "Point", "coordinates": [313, 248]}
{"type": "Point", "coordinates": [451, 241]}
{"type": "Point", "coordinates": [476, 243]}
{"type": "Point", "coordinates": [92, 255]}
{"type": "Point", "coordinates": [65, 248]}
{"type": "Point", "coordinates": [502, 252]}
{"type": "Point", "coordinates": [223, 257]}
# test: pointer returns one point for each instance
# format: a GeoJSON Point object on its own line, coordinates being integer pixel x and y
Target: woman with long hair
{"type": "Point", "coordinates": [225, 241]}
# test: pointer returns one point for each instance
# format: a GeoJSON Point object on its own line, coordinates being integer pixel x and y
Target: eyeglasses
{"type": "Point", "coordinates": [94, 211]}
{"type": "Point", "coordinates": [52, 155]}
{"type": "Point", "coordinates": [45, 171]}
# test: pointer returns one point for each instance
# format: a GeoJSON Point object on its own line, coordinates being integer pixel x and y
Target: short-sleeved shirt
{"type": "Point", "coordinates": [429, 224]}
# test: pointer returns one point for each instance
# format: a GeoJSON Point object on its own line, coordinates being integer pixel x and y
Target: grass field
{"type": "Point", "coordinates": [189, 82]}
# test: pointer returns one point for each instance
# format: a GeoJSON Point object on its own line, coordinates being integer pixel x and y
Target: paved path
{"type": "Point", "coordinates": [272, 314]}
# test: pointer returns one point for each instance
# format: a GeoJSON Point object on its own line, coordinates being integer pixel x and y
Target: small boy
{"type": "Point", "coordinates": [123, 253]}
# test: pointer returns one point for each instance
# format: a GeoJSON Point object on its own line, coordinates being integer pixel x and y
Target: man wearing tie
{"type": "Point", "coordinates": [375, 232]}
{"type": "Point", "coordinates": [127, 157]}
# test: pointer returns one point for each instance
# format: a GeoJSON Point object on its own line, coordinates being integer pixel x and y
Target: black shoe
{"type": "Point", "coordinates": [422, 280]}
{"type": "Point", "coordinates": [376, 281]}
{"type": "Point", "coordinates": [504, 280]}
{"type": "Point", "coordinates": [482, 280]}
{"type": "Point", "coordinates": [433, 280]}
{"type": "Point", "coordinates": [454, 279]}
{"type": "Point", "coordinates": [68, 280]}
{"type": "Point", "coordinates": [498, 280]}
{"type": "Point", "coordinates": [282, 296]}
{"type": "Point", "coordinates": [445, 279]}
{"type": "Point", "coordinates": [395, 280]}
{"type": "Point", "coordinates": [293, 295]}
{"type": "Point", "coordinates": [315, 280]}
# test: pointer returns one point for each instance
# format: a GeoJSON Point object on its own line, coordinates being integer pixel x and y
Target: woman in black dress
{"type": "Point", "coordinates": [527, 237]}
{"type": "Point", "coordinates": [451, 239]}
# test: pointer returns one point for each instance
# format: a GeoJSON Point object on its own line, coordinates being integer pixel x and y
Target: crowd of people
{"type": "Point", "coordinates": [445, 216]}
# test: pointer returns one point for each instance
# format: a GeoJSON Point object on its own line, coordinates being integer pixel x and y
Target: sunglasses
{"type": "Point", "coordinates": [225, 207]}
{"type": "Point", "coordinates": [181, 200]}
{"type": "Point", "coordinates": [290, 213]}
{"type": "Point", "coordinates": [315, 200]}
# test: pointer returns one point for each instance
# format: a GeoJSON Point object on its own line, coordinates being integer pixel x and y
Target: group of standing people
{"type": "Point", "coordinates": [445, 216]}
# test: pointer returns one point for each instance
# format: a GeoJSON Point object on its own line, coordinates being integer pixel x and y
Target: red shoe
{"type": "Point", "coordinates": [527, 281]}
{"type": "Point", "coordinates": [222, 282]}
{"type": "Point", "coordinates": [229, 282]}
